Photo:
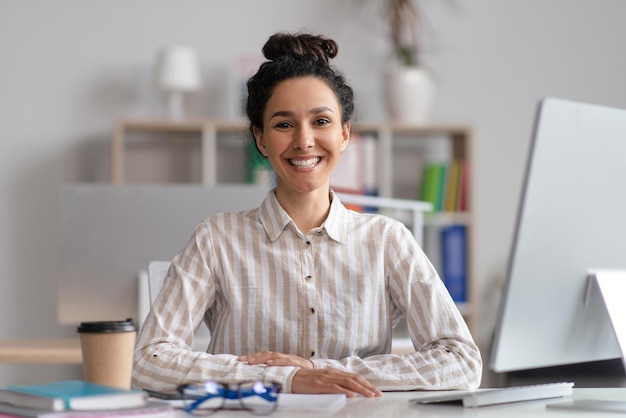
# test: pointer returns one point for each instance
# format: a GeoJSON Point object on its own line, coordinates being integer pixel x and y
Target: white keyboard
{"type": "Point", "coordinates": [483, 397]}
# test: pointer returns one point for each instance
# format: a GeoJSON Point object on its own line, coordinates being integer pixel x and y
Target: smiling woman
{"type": "Point", "coordinates": [302, 291]}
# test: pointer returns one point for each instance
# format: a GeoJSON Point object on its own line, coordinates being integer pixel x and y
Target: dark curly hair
{"type": "Point", "coordinates": [293, 56]}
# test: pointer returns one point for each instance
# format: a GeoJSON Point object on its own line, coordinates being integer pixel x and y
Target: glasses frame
{"type": "Point", "coordinates": [228, 391]}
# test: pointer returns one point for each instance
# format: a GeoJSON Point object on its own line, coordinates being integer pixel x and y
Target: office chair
{"type": "Point", "coordinates": [154, 278]}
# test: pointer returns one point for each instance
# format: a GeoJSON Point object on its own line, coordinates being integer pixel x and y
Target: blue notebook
{"type": "Point", "coordinates": [72, 395]}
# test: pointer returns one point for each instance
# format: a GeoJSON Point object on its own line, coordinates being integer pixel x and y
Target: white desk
{"type": "Point", "coordinates": [396, 405]}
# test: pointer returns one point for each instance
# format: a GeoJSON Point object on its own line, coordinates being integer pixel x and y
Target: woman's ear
{"type": "Point", "coordinates": [345, 140]}
{"type": "Point", "coordinates": [258, 138]}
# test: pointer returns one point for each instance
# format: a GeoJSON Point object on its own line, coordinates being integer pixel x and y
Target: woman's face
{"type": "Point", "coordinates": [302, 137]}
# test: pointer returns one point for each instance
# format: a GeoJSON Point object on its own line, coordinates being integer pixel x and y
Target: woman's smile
{"type": "Point", "coordinates": [308, 163]}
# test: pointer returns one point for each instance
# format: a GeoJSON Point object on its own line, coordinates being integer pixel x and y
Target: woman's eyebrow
{"type": "Point", "coordinates": [282, 113]}
{"type": "Point", "coordinates": [314, 111]}
{"type": "Point", "coordinates": [321, 109]}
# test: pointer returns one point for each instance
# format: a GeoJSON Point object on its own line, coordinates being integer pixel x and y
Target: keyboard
{"type": "Point", "coordinates": [484, 397]}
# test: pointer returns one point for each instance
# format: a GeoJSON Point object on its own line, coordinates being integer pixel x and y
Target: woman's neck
{"type": "Point", "coordinates": [308, 210]}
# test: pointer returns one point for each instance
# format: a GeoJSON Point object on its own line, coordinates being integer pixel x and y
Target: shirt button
{"type": "Point", "coordinates": [311, 311]}
{"type": "Point", "coordinates": [307, 243]}
{"type": "Point", "coordinates": [312, 353]}
{"type": "Point", "coordinates": [308, 278]}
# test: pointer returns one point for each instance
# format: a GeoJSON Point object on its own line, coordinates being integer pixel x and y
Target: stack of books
{"type": "Point", "coordinates": [77, 398]}
{"type": "Point", "coordinates": [445, 185]}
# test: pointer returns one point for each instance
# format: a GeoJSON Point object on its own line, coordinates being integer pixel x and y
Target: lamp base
{"type": "Point", "coordinates": [175, 105]}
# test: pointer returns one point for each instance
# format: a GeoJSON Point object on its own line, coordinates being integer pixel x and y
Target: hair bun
{"type": "Point", "coordinates": [300, 46]}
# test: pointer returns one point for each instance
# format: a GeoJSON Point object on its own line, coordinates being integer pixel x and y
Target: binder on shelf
{"type": "Point", "coordinates": [454, 261]}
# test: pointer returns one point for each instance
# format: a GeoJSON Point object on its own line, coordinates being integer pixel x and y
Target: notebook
{"type": "Point", "coordinates": [71, 395]}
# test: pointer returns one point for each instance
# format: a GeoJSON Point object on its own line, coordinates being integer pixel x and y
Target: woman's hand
{"type": "Point", "coordinates": [332, 381]}
{"type": "Point", "coordinates": [311, 380]}
{"type": "Point", "coordinates": [272, 358]}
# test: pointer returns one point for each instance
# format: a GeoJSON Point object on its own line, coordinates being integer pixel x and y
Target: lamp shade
{"type": "Point", "coordinates": [178, 69]}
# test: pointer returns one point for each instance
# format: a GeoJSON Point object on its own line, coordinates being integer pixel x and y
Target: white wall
{"type": "Point", "coordinates": [69, 68]}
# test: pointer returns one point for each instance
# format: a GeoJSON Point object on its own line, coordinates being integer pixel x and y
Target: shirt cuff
{"type": "Point", "coordinates": [281, 374]}
{"type": "Point", "coordinates": [326, 364]}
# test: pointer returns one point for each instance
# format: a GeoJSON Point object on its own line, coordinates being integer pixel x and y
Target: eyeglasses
{"type": "Point", "coordinates": [207, 398]}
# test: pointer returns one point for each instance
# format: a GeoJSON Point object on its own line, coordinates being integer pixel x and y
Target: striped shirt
{"type": "Point", "coordinates": [332, 295]}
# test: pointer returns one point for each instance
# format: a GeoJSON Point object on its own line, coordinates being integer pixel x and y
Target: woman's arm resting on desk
{"type": "Point", "coordinates": [164, 358]}
{"type": "Point", "coordinates": [448, 364]}
{"type": "Point", "coordinates": [444, 365]}
{"type": "Point", "coordinates": [310, 380]}
{"type": "Point", "coordinates": [161, 366]}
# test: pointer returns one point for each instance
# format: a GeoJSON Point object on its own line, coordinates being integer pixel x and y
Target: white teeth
{"type": "Point", "coordinates": [305, 163]}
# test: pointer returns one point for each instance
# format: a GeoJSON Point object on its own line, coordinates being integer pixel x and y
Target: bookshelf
{"type": "Point", "coordinates": [402, 151]}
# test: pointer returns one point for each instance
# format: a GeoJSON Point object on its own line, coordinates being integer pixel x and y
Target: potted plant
{"type": "Point", "coordinates": [409, 88]}
{"type": "Point", "coordinates": [404, 25]}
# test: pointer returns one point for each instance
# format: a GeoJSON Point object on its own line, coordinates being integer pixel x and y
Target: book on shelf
{"type": "Point", "coordinates": [462, 187]}
{"type": "Point", "coordinates": [445, 186]}
{"type": "Point", "coordinates": [430, 184]}
{"type": "Point", "coordinates": [451, 188]}
{"type": "Point", "coordinates": [454, 261]}
{"type": "Point", "coordinates": [71, 395]}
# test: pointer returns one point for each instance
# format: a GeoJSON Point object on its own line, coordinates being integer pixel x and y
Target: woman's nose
{"type": "Point", "coordinates": [303, 138]}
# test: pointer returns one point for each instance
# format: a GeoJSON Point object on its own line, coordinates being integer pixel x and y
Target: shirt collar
{"type": "Point", "coordinates": [274, 218]}
{"type": "Point", "coordinates": [336, 223]}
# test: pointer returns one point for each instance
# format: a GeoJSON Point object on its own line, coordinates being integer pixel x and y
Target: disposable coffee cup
{"type": "Point", "coordinates": [107, 349]}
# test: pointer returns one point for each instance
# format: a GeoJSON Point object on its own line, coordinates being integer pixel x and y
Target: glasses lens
{"type": "Point", "coordinates": [203, 400]}
{"type": "Point", "coordinates": [259, 398]}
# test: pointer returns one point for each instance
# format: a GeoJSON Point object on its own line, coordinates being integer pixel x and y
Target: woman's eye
{"type": "Point", "coordinates": [283, 125]}
{"type": "Point", "coordinates": [322, 121]}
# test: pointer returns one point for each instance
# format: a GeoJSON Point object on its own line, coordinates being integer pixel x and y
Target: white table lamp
{"type": "Point", "coordinates": [178, 73]}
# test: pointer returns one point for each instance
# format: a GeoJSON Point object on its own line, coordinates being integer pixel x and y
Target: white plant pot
{"type": "Point", "coordinates": [409, 94]}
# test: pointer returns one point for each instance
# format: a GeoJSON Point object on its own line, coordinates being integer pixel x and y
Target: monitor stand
{"type": "Point", "coordinates": [612, 285]}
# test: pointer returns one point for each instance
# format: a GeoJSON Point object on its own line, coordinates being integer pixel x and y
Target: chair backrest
{"type": "Point", "coordinates": [157, 271]}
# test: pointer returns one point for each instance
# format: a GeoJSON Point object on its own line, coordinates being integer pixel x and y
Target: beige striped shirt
{"type": "Point", "coordinates": [332, 294]}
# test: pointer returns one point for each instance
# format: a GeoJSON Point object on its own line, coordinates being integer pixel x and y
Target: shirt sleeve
{"type": "Point", "coordinates": [446, 356]}
{"type": "Point", "coordinates": [164, 357]}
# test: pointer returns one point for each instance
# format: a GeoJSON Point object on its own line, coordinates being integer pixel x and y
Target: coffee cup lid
{"type": "Point", "coordinates": [106, 326]}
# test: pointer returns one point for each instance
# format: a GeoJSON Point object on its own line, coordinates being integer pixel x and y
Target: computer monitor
{"type": "Point", "coordinates": [571, 220]}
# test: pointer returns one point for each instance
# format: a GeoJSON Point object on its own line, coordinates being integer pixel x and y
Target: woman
{"type": "Point", "coordinates": [300, 290]}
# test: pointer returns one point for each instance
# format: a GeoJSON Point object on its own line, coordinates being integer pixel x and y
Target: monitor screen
{"type": "Point", "coordinates": [109, 233]}
{"type": "Point", "coordinates": [571, 219]}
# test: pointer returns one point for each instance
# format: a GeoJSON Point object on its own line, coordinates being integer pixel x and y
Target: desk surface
{"type": "Point", "coordinates": [396, 405]}
{"type": "Point", "coordinates": [43, 350]}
